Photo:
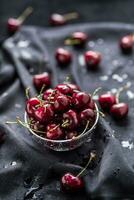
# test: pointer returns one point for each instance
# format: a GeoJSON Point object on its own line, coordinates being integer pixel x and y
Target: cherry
{"type": "Point", "coordinates": [77, 39]}
{"type": "Point", "coordinates": [48, 93]}
{"type": "Point", "coordinates": [126, 43]}
{"type": "Point", "coordinates": [44, 113]}
{"type": "Point", "coordinates": [54, 132]}
{"type": "Point", "coordinates": [92, 59]}
{"type": "Point", "coordinates": [87, 115]}
{"type": "Point", "coordinates": [59, 20]}
{"type": "Point", "coordinates": [81, 99]}
{"type": "Point", "coordinates": [69, 182]}
{"type": "Point", "coordinates": [61, 103]}
{"type": "Point", "coordinates": [71, 135]}
{"type": "Point", "coordinates": [41, 79]}
{"type": "Point", "coordinates": [64, 89]}
{"type": "Point", "coordinates": [63, 56]}
{"type": "Point", "coordinates": [31, 105]}
{"type": "Point", "coordinates": [70, 119]}
{"type": "Point", "coordinates": [91, 104]}
{"type": "Point", "coordinates": [119, 110]}
{"type": "Point", "coordinates": [106, 101]}
{"type": "Point", "coordinates": [13, 24]}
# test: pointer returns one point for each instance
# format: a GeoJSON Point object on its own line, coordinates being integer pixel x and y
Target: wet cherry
{"type": "Point", "coordinates": [119, 110]}
{"type": "Point", "coordinates": [64, 89]}
{"type": "Point", "coordinates": [31, 105]}
{"type": "Point", "coordinates": [69, 182]}
{"type": "Point", "coordinates": [80, 99]}
{"type": "Point", "coordinates": [92, 59]}
{"type": "Point", "coordinates": [70, 119]}
{"type": "Point", "coordinates": [41, 79]}
{"type": "Point", "coordinates": [77, 39]}
{"type": "Point", "coordinates": [63, 56]}
{"type": "Point", "coordinates": [54, 132]}
{"type": "Point", "coordinates": [87, 115]}
{"type": "Point", "coordinates": [61, 103]}
{"type": "Point", "coordinates": [106, 101]}
{"type": "Point", "coordinates": [126, 43]}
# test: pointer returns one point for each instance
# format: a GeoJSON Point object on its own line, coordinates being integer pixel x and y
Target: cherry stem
{"type": "Point", "coordinates": [92, 156]}
{"type": "Point", "coordinates": [25, 14]}
{"type": "Point", "coordinates": [69, 16]}
{"type": "Point", "coordinates": [27, 93]}
{"type": "Point", "coordinates": [65, 123]}
{"type": "Point", "coordinates": [95, 92]}
{"type": "Point", "coordinates": [87, 124]}
{"type": "Point", "coordinates": [121, 89]}
{"type": "Point", "coordinates": [70, 41]}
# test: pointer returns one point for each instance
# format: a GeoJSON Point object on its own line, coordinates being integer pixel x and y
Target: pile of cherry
{"type": "Point", "coordinates": [62, 112]}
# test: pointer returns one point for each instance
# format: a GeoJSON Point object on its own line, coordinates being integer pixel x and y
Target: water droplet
{"type": "Point", "coordinates": [23, 43]}
{"type": "Point", "coordinates": [13, 163]}
{"type": "Point", "coordinates": [130, 94]}
{"type": "Point", "coordinates": [124, 76]}
{"type": "Point", "coordinates": [81, 60]}
{"type": "Point", "coordinates": [117, 78]}
{"type": "Point", "coordinates": [91, 44]}
{"type": "Point", "coordinates": [17, 105]}
{"type": "Point", "coordinates": [104, 78]}
{"type": "Point", "coordinates": [127, 144]}
{"type": "Point", "coordinates": [100, 41]}
{"type": "Point", "coordinates": [114, 90]}
{"type": "Point", "coordinates": [115, 63]}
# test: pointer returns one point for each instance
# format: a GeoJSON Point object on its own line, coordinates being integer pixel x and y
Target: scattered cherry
{"type": "Point", "coordinates": [119, 110]}
{"type": "Point", "coordinates": [126, 43]}
{"type": "Point", "coordinates": [71, 119]}
{"type": "Point", "coordinates": [69, 182]}
{"type": "Point", "coordinates": [87, 115]}
{"type": "Point", "coordinates": [54, 132]}
{"type": "Point", "coordinates": [106, 101]}
{"type": "Point", "coordinates": [92, 59]}
{"type": "Point", "coordinates": [59, 20]}
{"type": "Point", "coordinates": [13, 24]}
{"type": "Point", "coordinates": [41, 79]}
{"type": "Point", "coordinates": [31, 105]}
{"type": "Point", "coordinates": [77, 39]}
{"type": "Point", "coordinates": [81, 99]}
{"type": "Point", "coordinates": [63, 56]}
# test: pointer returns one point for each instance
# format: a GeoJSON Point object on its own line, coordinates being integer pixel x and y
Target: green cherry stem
{"type": "Point", "coordinates": [25, 14]}
{"type": "Point", "coordinates": [92, 156]}
{"type": "Point", "coordinates": [121, 89]}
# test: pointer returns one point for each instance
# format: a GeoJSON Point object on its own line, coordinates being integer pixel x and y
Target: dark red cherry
{"type": "Point", "coordinates": [63, 56]}
{"type": "Point", "coordinates": [91, 104]}
{"type": "Point", "coordinates": [72, 183]}
{"type": "Point", "coordinates": [64, 89]}
{"type": "Point", "coordinates": [71, 135]}
{"type": "Point", "coordinates": [41, 79]}
{"type": "Point", "coordinates": [70, 119]}
{"type": "Point", "coordinates": [31, 105]}
{"type": "Point", "coordinates": [126, 43]}
{"type": "Point", "coordinates": [61, 103]}
{"type": "Point", "coordinates": [79, 38]}
{"type": "Point", "coordinates": [87, 115]}
{"type": "Point", "coordinates": [92, 59]}
{"type": "Point", "coordinates": [81, 99]}
{"type": "Point", "coordinates": [119, 110]}
{"type": "Point", "coordinates": [13, 25]}
{"type": "Point", "coordinates": [48, 93]}
{"type": "Point", "coordinates": [106, 101]}
{"type": "Point", "coordinates": [54, 132]}
{"type": "Point", "coordinates": [44, 113]}
{"type": "Point", "coordinates": [57, 20]}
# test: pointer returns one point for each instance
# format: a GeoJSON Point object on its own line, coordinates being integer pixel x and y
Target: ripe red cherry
{"type": "Point", "coordinates": [79, 38]}
{"type": "Point", "coordinates": [41, 79]}
{"type": "Point", "coordinates": [119, 110]}
{"type": "Point", "coordinates": [31, 105]}
{"type": "Point", "coordinates": [71, 118]}
{"type": "Point", "coordinates": [81, 99]}
{"type": "Point", "coordinates": [106, 101]}
{"type": "Point", "coordinates": [126, 44]}
{"type": "Point", "coordinates": [48, 93]}
{"type": "Point", "coordinates": [71, 135]}
{"type": "Point", "coordinates": [63, 56]}
{"type": "Point", "coordinates": [44, 113]}
{"type": "Point", "coordinates": [92, 59]}
{"type": "Point", "coordinates": [69, 182]}
{"type": "Point", "coordinates": [13, 25]}
{"type": "Point", "coordinates": [54, 132]}
{"type": "Point", "coordinates": [61, 103]}
{"type": "Point", "coordinates": [57, 20]}
{"type": "Point", "coordinates": [87, 115]}
{"type": "Point", "coordinates": [64, 89]}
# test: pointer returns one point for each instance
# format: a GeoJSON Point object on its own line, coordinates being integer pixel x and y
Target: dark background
{"type": "Point", "coordinates": [90, 10]}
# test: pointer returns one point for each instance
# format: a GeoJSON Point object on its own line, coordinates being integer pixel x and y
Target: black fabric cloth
{"type": "Point", "coordinates": [29, 171]}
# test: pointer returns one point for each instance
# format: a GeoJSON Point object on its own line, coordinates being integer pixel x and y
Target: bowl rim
{"type": "Point", "coordinates": [68, 140]}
